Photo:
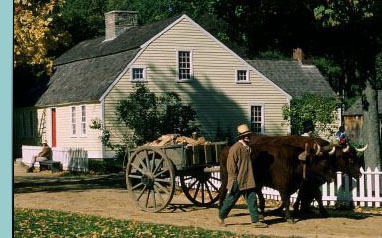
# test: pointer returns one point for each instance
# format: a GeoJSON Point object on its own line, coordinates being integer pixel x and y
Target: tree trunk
{"type": "Point", "coordinates": [371, 125]}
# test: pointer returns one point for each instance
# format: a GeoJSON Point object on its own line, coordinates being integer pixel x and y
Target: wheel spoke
{"type": "Point", "coordinates": [215, 178]}
{"type": "Point", "coordinates": [141, 162]}
{"type": "Point", "coordinates": [202, 192]}
{"type": "Point", "coordinates": [141, 193]}
{"type": "Point", "coordinates": [161, 187]}
{"type": "Point", "coordinates": [137, 168]}
{"type": "Point", "coordinates": [158, 165]}
{"type": "Point", "coordinates": [159, 195]}
{"type": "Point", "coordinates": [208, 181]}
{"type": "Point", "coordinates": [136, 186]}
{"type": "Point", "coordinates": [135, 176]}
{"type": "Point", "coordinates": [154, 201]}
{"type": "Point", "coordinates": [147, 198]}
{"type": "Point", "coordinates": [209, 192]}
{"type": "Point", "coordinates": [193, 183]}
{"type": "Point", "coordinates": [162, 172]}
{"type": "Point", "coordinates": [196, 191]}
{"type": "Point", "coordinates": [147, 160]}
{"type": "Point", "coordinates": [163, 180]}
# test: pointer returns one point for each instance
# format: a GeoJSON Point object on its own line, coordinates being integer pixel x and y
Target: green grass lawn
{"type": "Point", "coordinates": [55, 224]}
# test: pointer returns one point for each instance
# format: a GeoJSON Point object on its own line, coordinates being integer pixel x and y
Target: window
{"type": "Point", "coordinates": [138, 74]}
{"type": "Point", "coordinates": [242, 76]}
{"type": "Point", "coordinates": [83, 120]}
{"type": "Point", "coordinates": [184, 65]}
{"type": "Point", "coordinates": [74, 121]}
{"type": "Point", "coordinates": [257, 118]}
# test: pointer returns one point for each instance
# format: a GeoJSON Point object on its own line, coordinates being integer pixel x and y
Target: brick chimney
{"type": "Point", "coordinates": [298, 55]}
{"type": "Point", "coordinates": [117, 22]}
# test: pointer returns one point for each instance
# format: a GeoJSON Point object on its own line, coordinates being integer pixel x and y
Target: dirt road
{"type": "Point", "coordinates": [106, 196]}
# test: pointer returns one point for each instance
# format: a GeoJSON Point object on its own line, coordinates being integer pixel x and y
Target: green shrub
{"type": "Point", "coordinates": [147, 116]}
{"type": "Point", "coordinates": [319, 109]}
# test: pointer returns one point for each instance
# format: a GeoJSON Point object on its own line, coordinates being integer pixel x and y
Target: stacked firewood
{"type": "Point", "coordinates": [175, 139]}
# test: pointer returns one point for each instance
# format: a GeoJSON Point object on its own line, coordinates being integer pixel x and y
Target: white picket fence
{"type": "Point", "coordinates": [73, 159]}
{"type": "Point", "coordinates": [365, 191]}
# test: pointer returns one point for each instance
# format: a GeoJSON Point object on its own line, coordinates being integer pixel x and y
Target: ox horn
{"type": "Point", "coordinates": [318, 152]}
{"type": "Point", "coordinates": [346, 149]}
{"type": "Point", "coordinates": [362, 149]}
{"type": "Point", "coordinates": [331, 152]}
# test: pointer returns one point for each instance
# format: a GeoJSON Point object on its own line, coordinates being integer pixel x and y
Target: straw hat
{"type": "Point", "coordinates": [45, 142]}
{"type": "Point", "coordinates": [243, 130]}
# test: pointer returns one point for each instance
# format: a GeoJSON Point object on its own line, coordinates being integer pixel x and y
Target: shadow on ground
{"type": "Point", "coordinates": [28, 184]}
{"type": "Point", "coordinates": [274, 218]}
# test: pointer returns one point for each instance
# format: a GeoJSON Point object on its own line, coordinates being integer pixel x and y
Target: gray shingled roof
{"type": "Point", "coordinates": [85, 72]}
{"type": "Point", "coordinates": [85, 80]}
{"type": "Point", "coordinates": [293, 77]}
{"type": "Point", "coordinates": [356, 108]}
{"type": "Point", "coordinates": [130, 39]}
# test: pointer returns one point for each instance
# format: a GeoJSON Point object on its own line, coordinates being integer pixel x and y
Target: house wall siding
{"type": "Point", "coordinates": [213, 92]}
{"type": "Point", "coordinates": [64, 138]}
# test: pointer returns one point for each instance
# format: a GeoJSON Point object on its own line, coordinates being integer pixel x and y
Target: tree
{"type": "Point", "coordinates": [319, 109]}
{"type": "Point", "coordinates": [148, 116]}
{"type": "Point", "coordinates": [361, 20]}
{"type": "Point", "coordinates": [35, 33]}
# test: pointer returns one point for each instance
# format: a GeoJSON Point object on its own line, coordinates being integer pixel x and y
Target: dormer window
{"type": "Point", "coordinates": [242, 76]}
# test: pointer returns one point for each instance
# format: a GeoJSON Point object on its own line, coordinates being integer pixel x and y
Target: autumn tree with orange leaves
{"type": "Point", "coordinates": [35, 33]}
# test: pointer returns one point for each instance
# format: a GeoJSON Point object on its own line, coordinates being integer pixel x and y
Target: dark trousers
{"type": "Point", "coordinates": [234, 195]}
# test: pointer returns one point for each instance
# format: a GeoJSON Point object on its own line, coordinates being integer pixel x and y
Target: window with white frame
{"type": "Point", "coordinates": [74, 121]}
{"type": "Point", "coordinates": [257, 118]}
{"type": "Point", "coordinates": [138, 74]}
{"type": "Point", "coordinates": [83, 120]}
{"type": "Point", "coordinates": [184, 65]}
{"type": "Point", "coordinates": [242, 76]}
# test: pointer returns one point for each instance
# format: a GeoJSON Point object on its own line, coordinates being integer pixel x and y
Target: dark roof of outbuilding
{"type": "Point", "coordinates": [294, 77]}
{"type": "Point", "coordinates": [85, 80]}
{"type": "Point", "coordinates": [356, 108]}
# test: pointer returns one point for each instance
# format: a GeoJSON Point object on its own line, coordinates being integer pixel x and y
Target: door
{"type": "Point", "coordinates": [54, 141]}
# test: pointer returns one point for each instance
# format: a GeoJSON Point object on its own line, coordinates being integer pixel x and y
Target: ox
{"type": "Point", "coordinates": [277, 166]}
{"type": "Point", "coordinates": [345, 160]}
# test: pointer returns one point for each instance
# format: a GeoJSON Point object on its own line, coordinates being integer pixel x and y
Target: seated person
{"type": "Point", "coordinates": [45, 154]}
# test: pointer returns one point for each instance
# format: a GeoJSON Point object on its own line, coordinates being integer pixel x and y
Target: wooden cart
{"type": "Point", "coordinates": [151, 173]}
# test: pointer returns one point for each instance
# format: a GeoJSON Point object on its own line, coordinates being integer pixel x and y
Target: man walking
{"type": "Point", "coordinates": [241, 180]}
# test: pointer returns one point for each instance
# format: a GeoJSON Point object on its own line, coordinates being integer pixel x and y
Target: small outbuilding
{"type": "Point", "coordinates": [353, 119]}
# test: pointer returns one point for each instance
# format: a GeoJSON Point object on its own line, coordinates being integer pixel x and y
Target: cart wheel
{"type": "Point", "coordinates": [200, 188]}
{"type": "Point", "coordinates": [150, 179]}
